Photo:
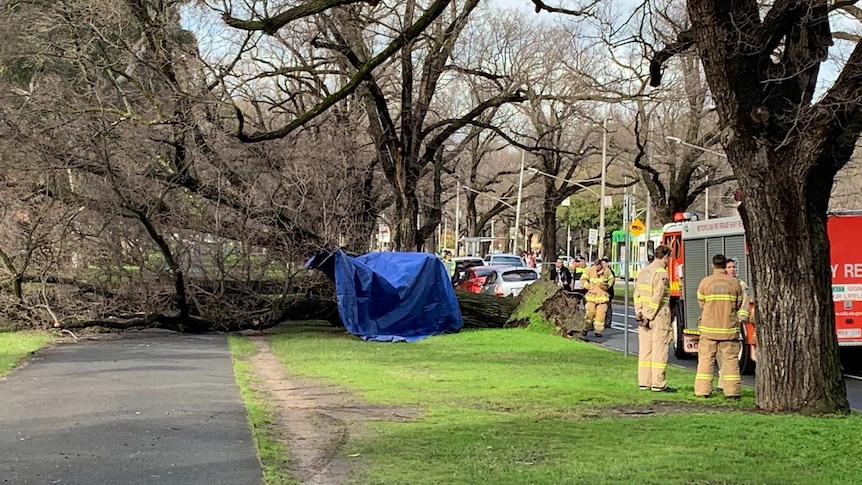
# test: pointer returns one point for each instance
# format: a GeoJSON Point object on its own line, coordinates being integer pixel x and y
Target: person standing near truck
{"type": "Point", "coordinates": [598, 281]}
{"type": "Point", "coordinates": [720, 297]}
{"type": "Point", "coordinates": [652, 312]}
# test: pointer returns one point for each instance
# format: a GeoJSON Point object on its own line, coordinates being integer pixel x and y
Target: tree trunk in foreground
{"type": "Point", "coordinates": [798, 367]}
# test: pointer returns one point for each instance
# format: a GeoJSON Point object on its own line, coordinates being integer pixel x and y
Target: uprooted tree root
{"type": "Point", "coordinates": [545, 302]}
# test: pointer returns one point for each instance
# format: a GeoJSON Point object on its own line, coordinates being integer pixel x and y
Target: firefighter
{"type": "Point", "coordinates": [652, 310]}
{"type": "Point", "coordinates": [597, 280]}
{"type": "Point", "coordinates": [720, 297]}
{"type": "Point", "coordinates": [743, 313]}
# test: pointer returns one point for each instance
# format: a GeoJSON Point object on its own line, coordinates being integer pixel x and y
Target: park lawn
{"type": "Point", "coordinates": [15, 346]}
{"type": "Point", "coordinates": [516, 406]}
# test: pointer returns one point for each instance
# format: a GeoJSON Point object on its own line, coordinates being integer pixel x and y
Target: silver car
{"type": "Point", "coordinates": [509, 281]}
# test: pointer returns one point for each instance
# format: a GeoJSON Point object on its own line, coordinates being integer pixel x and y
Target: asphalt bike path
{"type": "Point", "coordinates": [146, 408]}
{"type": "Point", "coordinates": [614, 338]}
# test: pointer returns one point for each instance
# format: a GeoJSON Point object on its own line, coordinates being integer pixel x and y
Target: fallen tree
{"type": "Point", "coordinates": [247, 312]}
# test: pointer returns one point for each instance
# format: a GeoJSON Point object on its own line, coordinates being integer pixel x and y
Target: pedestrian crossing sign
{"type": "Point", "coordinates": [637, 227]}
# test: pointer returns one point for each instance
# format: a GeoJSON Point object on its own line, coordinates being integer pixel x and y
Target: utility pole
{"type": "Point", "coordinates": [602, 201]}
{"type": "Point", "coordinates": [518, 208]}
{"type": "Point", "coordinates": [457, 214]}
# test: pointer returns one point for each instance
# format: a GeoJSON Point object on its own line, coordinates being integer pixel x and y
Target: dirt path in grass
{"type": "Point", "coordinates": [317, 420]}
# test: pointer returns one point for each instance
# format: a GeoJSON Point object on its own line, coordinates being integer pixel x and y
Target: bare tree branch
{"type": "Point", "coordinates": [272, 24]}
{"type": "Point", "coordinates": [362, 73]}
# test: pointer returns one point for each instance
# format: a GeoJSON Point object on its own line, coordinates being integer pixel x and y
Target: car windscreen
{"type": "Point", "coordinates": [520, 275]}
{"type": "Point", "coordinates": [508, 261]}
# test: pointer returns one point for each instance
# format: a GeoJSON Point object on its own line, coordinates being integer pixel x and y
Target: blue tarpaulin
{"type": "Point", "coordinates": [391, 297]}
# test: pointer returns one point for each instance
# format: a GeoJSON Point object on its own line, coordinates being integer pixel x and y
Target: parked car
{"type": "Point", "coordinates": [509, 281]}
{"type": "Point", "coordinates": [474, 278]}
{"type": "Point", "coordinates": [505, 260]}
{"type": "Point", "coordinates": [463, 263]}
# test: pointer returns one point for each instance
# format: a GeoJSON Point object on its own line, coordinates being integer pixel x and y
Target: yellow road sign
{"type": "Point", "coordinates": [637, 227]}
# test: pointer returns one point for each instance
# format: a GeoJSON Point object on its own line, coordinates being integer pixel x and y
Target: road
{"type": "Point", "coordinates": [138, 410]}
{"type": "Point", "coordinates": [614, 338]}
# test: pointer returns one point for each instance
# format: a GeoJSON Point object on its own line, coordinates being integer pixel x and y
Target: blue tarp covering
{"type": "Point", "coordinates": [392, 297]}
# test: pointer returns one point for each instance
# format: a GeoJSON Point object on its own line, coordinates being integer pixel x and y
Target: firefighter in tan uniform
{"type": "Point", "coordinates": [652, 310]}
{"type": "Point", "coordinates": [597, 280]}
{"type": "Point", "coordinates": [720, 296]}
{"type": "Point", "coordinates": [743, 313]}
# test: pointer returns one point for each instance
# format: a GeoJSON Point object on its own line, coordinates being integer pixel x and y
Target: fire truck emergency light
{"type": "Point", "coordinates": [685, 216]}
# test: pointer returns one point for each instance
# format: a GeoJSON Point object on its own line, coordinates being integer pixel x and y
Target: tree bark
{"type": "Point", "coordinates": [792, 275]}
{"type": "Point", "coordinates": [404, 235]}
{"type": "Point", "coordinates": [485, 311]}
{"type": "Point", "coordinates": [549, 227]}
{"type": "Point", "coordinates": [17, 289]}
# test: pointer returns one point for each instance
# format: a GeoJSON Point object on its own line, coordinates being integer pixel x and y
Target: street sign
{"type": "Point", "coordinates": [609, 201]}
{"type": "Point", "coordinates": [511, 233]}
{"type": "Point", "coordinates": [593, 237]}
{"type": "Point", "coordinates": [637, 227]}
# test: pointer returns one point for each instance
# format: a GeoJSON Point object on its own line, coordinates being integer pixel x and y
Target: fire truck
{"type": "Point", "coordinates": [694, 242]}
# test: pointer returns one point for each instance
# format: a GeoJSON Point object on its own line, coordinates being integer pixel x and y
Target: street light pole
{"type": "Point", "coordinates": [457, 214]}
{"type": "Point", "coordinates": [602, 201]}
{"type": "Point", "coordinates": [518, 205]}
{"type": "Point", "coordinates": [706, 197]}
{"type": "Point", "coordinates": [648, 210]}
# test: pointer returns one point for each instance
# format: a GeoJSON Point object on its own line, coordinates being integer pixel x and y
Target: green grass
{"type": "Point", "coordinates": [273, 454]}
{"type": "Point", "coordinates": [15, 346]}
{"type": "Point", "coordinates": [516, 407]}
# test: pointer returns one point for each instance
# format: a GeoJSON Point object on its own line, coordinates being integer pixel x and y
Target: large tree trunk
{"type": "Point", "coordinates": [549, 229]}
{"type": "Point", "coordinates": [405, 235]}
{"type": "Point", "coordinates": [17, 290]}
{"type": "Point", "coordinates": [798, 360]}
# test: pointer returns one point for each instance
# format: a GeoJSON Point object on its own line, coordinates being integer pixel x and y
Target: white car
{"type": "Point", "coordinates": [463, 263]}
{"type": "Point", "coordinates": [505, 260]}
{"type": "Point", "coordinates": [509, 281]}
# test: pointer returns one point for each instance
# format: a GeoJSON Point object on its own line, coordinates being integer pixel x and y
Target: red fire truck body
{"type": "Point", "coordinates": [694, 243]}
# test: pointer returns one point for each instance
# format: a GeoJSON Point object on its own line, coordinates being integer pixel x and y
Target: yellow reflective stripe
{"type": "Point", "coordinates": [658, 365]}
{"type": "Point", "coordinates": [742, 313]}
{"type": "Point", "coordinates": [703, 376]}
{"type": "Point", "coordinates": [645, 288]}
{"type": "Point", "coordinates": [675, 285]}
{"type": "Point", "coordinates": [644, 364]}
{"type": "Point", "coordinates": [718, 330]}
{"type": "Point", "coordinates": [716, 297]}
{"type": "Point", "coordinates": [700, 296]}
{"type": "Point", "coordinates": [731, 377]}
{"type": "Point", "coordinates": [652, 305]}
{"type": "Point", "coordinates": [661, 270]}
